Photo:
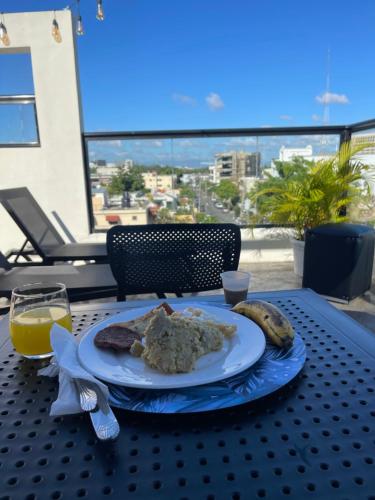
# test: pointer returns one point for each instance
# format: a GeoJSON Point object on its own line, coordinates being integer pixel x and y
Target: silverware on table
{"type": "Point", "coordinates": [87, 397]}
{"type": "Point", "coordinates": [102, 418]}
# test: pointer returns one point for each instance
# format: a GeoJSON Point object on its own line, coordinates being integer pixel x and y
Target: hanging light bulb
{"type": "Point", "coordinates": [56, 31]}
{"type": "Point", "coordinates": [4, 37]}
{"type": "Point", "coordinates": [100, 12]}
{"type": "Point", "coordinates": [80, 31]}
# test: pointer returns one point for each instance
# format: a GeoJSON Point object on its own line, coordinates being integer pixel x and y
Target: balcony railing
{"type": "Point", "coordinates": [197, 149]}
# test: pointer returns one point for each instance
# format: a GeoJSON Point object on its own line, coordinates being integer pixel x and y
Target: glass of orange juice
{"type": "Point", "coordinates": [34, 309]}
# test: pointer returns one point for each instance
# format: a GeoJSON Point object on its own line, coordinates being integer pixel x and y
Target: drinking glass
{"type": "Point", "coordinates": [236, 286]}
{"type": "Point", "coordinates": [34, 309]}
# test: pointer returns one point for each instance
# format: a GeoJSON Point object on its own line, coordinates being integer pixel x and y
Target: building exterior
{"type": "Point", "coordinates": [367, 156]}
{"type": "Point", "coordinates": [53, 168]}
{"type": "Point", "coordinates": [156, 182]}
{"type": "Point", "coordinates": [234, 165]}
{"type": "Point", "coordinates": [104, 219]}
{"type": "Point", "coordinates": [287, 154]}
{"type": "Point", "coordinates": [214, 174]}
{"type": "Point", "coordinates": [107, 171]}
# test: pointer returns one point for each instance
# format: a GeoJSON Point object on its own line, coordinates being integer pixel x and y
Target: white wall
{"type": "Point", "coordinates": [53, 172]}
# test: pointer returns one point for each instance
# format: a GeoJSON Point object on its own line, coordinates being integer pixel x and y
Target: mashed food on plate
{"type": "Point", "coordinates": [173, 341]}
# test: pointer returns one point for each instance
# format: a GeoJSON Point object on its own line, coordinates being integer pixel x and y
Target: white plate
{"type": "Point", "coordinates": [237, 354]}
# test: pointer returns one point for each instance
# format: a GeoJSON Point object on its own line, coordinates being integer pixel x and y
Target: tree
{"type": "Point", "coordinates": [287, 171]}
{"type": "Point", "coordinates": [164, 216]}
{"type": "Point", "coordinates": [202, 218]}
{"type": "Point", "coordinates": [131, 180]}
{"type": "Point", "coordinates": [187, 192]}
{"type": "Point", "coordinates": [235, 200]}
{"type": "Point", "coordinates": [318, 194]}
{"type": "Point", "coordinates": [226, 190]}
{"type": "Point", "coordinates": [296, 166]}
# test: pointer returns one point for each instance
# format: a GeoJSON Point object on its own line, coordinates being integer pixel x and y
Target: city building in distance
{"type": "Point", "coordinates": [287, 154]}
{"type": "Point", "coordinates": [156, 182]}
{"type": "Point", "coordinates": [235, 165]}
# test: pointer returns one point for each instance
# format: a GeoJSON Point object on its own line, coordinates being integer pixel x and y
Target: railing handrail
{"type": "Point", "coordinates": [365, 125]}
{"type": "Point", "coordinates": [231, 132]}
{"type": "Point", "coordinates": [17, 99]}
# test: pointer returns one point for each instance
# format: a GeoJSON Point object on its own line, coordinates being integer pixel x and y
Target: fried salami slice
{"type": "Point", "coordinates": [167, 308]}
{"type": "Point", "coordinates": [119, 338]}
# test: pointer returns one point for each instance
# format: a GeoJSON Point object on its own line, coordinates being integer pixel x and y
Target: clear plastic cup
{"type": "Point", "coordinates": [236, 285]}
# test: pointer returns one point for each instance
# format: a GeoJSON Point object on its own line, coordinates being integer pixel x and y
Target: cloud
{"type": "Point", "coordinates": [117, 143]}
{"type": "Point", "coordinates": [122, 153]}
{"type": "Point", "coordinates": [316, 118]}
{"type": "Point", "coordinates": [286, 117]}
{"type": "Point", "coordinates": [331, 98]}
{"type": "Point", "coordinates": [240, 141]}
{"type": "Point", "coordinates": [184, 99]}
{"type": "Point", "coordinates": [186, 143]}
{"type": "Point", "coordinates": [214, 101]}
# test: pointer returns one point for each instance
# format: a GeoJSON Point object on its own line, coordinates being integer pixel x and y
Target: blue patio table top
{"type": "Point", "coordinates": [314, 438]}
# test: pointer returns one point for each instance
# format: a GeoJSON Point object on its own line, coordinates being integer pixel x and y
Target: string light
{"type": "Point", "coordinates": [56, 34]}
{"type": "Point", "coordinates": [100, 12]}
{"type": "Point", "coordinates": [4, 37]}
{"type": "Point", "coordinates": [80, 31]}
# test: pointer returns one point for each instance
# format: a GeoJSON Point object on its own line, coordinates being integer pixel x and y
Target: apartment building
{"type": "Point", "coordinates": [235, 165]}
{"type": "Point", "coordinates": [157, 182]}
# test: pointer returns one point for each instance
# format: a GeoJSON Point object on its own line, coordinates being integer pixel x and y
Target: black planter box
{"type": "Point", "coordinates": [338, 260]}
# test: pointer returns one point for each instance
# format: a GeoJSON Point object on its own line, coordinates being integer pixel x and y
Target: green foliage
{"type": "Point", "coordinates": [183, 211]}
{"type": "Point", "coordinates": [292, 168]}
{"type": "Point", "coordinates": [235, 200]}
{"type": "Point", "coordinates": [226, 190]}
{"type": "Point", "coordinates": [187, 192]}
{"type": "Point", "coordinates": [164, 216]}
{"type": "Point", "coordinates": [287, 171]}
{"type": "Point", "coordinates": [317, 194]}
{"type": "Point", "coordinates": [169, 170]}
{"type": "Point", "coordinates": [126, 181]}
{"type": "Point", "coordinates": [202, 218]}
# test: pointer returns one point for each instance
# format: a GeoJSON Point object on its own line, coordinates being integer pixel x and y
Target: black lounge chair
{"type": "Point", "coordinates": [87, 282]}
{"type": "Point", "coordinates": [172, 258]}
{"type": "Point", "coordinates": [42, 234]}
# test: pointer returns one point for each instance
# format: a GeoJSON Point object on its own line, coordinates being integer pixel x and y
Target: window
{"type": "Point", "coordinates": [18, 118]}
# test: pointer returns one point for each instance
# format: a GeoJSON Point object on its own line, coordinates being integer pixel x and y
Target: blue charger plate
{"type": "Point", "coordinates": [275, 368]}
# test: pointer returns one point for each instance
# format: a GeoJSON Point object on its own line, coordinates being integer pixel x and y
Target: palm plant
{"type": "Point", "coordinates": [316, 195]}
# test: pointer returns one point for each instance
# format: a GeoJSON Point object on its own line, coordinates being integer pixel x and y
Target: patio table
{"type": "Point", "coordinates": [314, 438]}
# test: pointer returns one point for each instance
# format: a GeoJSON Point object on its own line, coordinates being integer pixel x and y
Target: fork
{"type": "Point", "coordinates": [102, 418]}
{"type": "Point", "coordinates": [87, 396]}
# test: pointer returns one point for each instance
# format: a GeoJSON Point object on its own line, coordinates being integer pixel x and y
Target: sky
{"type": "Point", "coordinates": [163, 64]}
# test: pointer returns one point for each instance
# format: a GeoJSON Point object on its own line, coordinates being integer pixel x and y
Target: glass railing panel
{"type": "Point", "coordinates": [194, 179]}
{"type": "Point", "coordinates": [363, 211]}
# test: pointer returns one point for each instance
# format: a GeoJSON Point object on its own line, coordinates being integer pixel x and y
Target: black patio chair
{"type": "Point", "coordinates": [42, 234]}
{"type": "Point", "coordinates": [87, 282]}
{"type": "Point", "coordinates": [172, 258]}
